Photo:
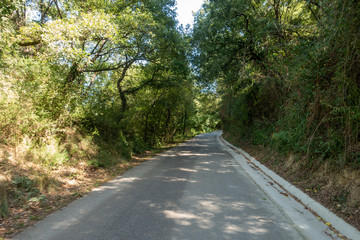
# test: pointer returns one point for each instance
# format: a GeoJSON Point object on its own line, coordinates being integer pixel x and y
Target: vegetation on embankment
{"type": "Point", "coordinates": [36, 191]}
{"type": "Point", "coordinates": [338, 189]}
{"type": "Point", "coordinates": [288, 76]}
{"type": "Point", "coordinates": [85, 85]}
{"type": "Point", "coordinates": [288, 73]}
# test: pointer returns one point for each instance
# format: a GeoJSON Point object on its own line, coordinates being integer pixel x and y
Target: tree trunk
{"type": "Point", "coordinates": [123, 99]}
{"type": "Point", "coordinates": [167, 130]}
{"type": "Point", "coordinates": [73, 74]}
{"type": "Point", "coordinates": [184, 128]}
{"type": "Point", "coordinates": [118, 84]}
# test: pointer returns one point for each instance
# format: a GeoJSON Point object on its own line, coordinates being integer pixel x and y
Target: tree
{"type": "Point", "coordinates": [91, 63]}
{"type": "Point", "coordinates": [276, 65]}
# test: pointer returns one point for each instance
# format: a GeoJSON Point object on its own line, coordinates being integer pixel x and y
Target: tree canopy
{"type": "Point", "coordinates": [287, 72]}
{"type": "Point", "coordinates": [86, 84]}
{"type": "Point", "coordinates": [284, 73]}
{"type": "Point", "coordinates": [117, 70]}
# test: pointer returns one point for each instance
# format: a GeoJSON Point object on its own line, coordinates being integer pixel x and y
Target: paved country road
{"type": "Point", "coordinates": [193, 191]}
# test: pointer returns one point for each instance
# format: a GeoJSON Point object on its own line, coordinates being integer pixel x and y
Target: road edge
{"type": "Point", "coordinates": [104, 187]}
{"type": "Point", "coordinates": [339, 224]}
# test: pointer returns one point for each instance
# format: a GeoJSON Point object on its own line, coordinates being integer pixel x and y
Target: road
{"type": "Point", "coordinates": [193, 191]}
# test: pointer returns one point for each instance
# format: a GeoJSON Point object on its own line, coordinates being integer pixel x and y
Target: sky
{"type": "Point", "coordinates": [185, 9]}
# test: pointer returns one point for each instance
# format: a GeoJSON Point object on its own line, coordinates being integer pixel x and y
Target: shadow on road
{"type": "Point", "coordinates": [192, 191]}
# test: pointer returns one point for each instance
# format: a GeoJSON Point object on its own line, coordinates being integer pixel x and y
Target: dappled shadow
{"type": "Point", "coordinates": [189, 192]}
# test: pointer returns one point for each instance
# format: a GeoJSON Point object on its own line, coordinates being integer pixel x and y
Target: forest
{"type": "Point", "coordinates": [93, 83]}
{"type": "Point", "coordinates": [288, 77]}
{"type": "Point", "coordinates": [287, 72]}
{"type": "Point", "coordinates": [111, 69]}
{"type": "Point", "coordinates": [86, 86]}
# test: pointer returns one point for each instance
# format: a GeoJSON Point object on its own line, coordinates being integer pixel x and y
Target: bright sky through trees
{"type": "Point", "coordinates": [185, 9]}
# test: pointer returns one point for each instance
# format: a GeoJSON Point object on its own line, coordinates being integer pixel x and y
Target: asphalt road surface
{"type": "Point", "coordinates": [193, 191]}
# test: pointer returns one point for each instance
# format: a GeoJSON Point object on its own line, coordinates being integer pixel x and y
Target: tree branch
{"type": "Point", "coordinates": [104, 69]}
{"type": "Point", "coordinates": [32, 43]}
{"type": "Point", "coordinates": [57, 7]}
{"type": "Point", "coordinates": [43, 14]}
{"type": "Point", "coordinates": [135, 89]}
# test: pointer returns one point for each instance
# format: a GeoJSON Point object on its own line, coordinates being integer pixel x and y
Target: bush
{"type": "Point", "coordinates": [25, 187]}
{"type": "Point", "coordinates": [103, 159]}
{"type": "Point", "coordinates": [4, 206]}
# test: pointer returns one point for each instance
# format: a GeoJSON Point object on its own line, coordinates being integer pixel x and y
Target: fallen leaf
{"type": "Point", "coordinates": [285, 194]}
{"type": "Point", "coordinates": [34, 199]}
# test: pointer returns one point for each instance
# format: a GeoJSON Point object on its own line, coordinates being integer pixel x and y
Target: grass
{"type": "Point", "coordinates": [337, 189]}
{"type": "Point", "coordinates": [30, 190]}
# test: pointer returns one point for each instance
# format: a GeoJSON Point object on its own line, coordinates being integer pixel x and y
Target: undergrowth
{"type": "Point", "coordinates": [305, 100]}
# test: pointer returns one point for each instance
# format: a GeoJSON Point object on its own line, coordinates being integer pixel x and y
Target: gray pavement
{"type": "Point", "coordinates": [309, 217]}
{"type": "Point", "coordinates": [194, 191]}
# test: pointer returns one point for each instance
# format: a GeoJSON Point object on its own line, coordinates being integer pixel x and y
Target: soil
{"type": "Point", "coordinates": [75, 183]}
{"type": "Point", "coordinates": [336, 188]}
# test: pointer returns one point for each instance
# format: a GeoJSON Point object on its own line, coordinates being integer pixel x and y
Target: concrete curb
{"type": "Point", "coordinates": [339, 224]}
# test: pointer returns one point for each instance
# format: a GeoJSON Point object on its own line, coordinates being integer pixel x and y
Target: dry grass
{"type": "Point", "coordinates": [31, 188]}
{"type": "Point", "coordinates": [337, 189]}
{"type": "Point", "coordinates": [60, 187]}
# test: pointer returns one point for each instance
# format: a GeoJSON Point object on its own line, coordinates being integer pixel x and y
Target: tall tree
{"type": "Point", "coordinates": [277, 64]}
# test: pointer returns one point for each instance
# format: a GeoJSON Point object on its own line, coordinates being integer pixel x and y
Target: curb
{"type": "Point", "coordinates": [339, 224]}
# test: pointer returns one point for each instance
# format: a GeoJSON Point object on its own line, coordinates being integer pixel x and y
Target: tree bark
{"type": "Point", "coordinates": [184, 128]}
{"type": "Point", "coordinates": [118, 84]}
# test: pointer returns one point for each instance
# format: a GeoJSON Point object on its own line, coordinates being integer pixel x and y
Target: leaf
{"type": "Point", "coordinates": [34, 199]}
{"type": "Point", "coordinates": [37, 199]}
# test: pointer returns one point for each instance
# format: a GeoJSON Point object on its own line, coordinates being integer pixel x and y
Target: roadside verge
{"type": "Point", "coordinates": [310, 218]}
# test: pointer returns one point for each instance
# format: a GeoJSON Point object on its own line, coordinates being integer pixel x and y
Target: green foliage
{"type": "Point", "coordinates": [51, 155]}
{"type": "Point", "coordinates": [25, 187]}
{"type": "Point", "coordinates": [286, 73]}
{"type": "Point", "coordinates": [4, 206]}
{"type": "Point", "coordinates": [95, 81]}
{"type": "Point", "coordinates": [25, 183]}
{"type": "Point", "coordinates": [7, 7]}
{"type": "Point", "coordinates": [207, 117]}
{"type": "Point", "coordinates": [261, 133]}
{"type": "Point", "coordinates": [103, 159]}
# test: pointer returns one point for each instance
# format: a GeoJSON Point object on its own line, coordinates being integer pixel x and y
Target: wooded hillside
{"type": "Point", "coordinates": [288, 73]}
{"type": "Point", "coordinates": [87, 84]}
